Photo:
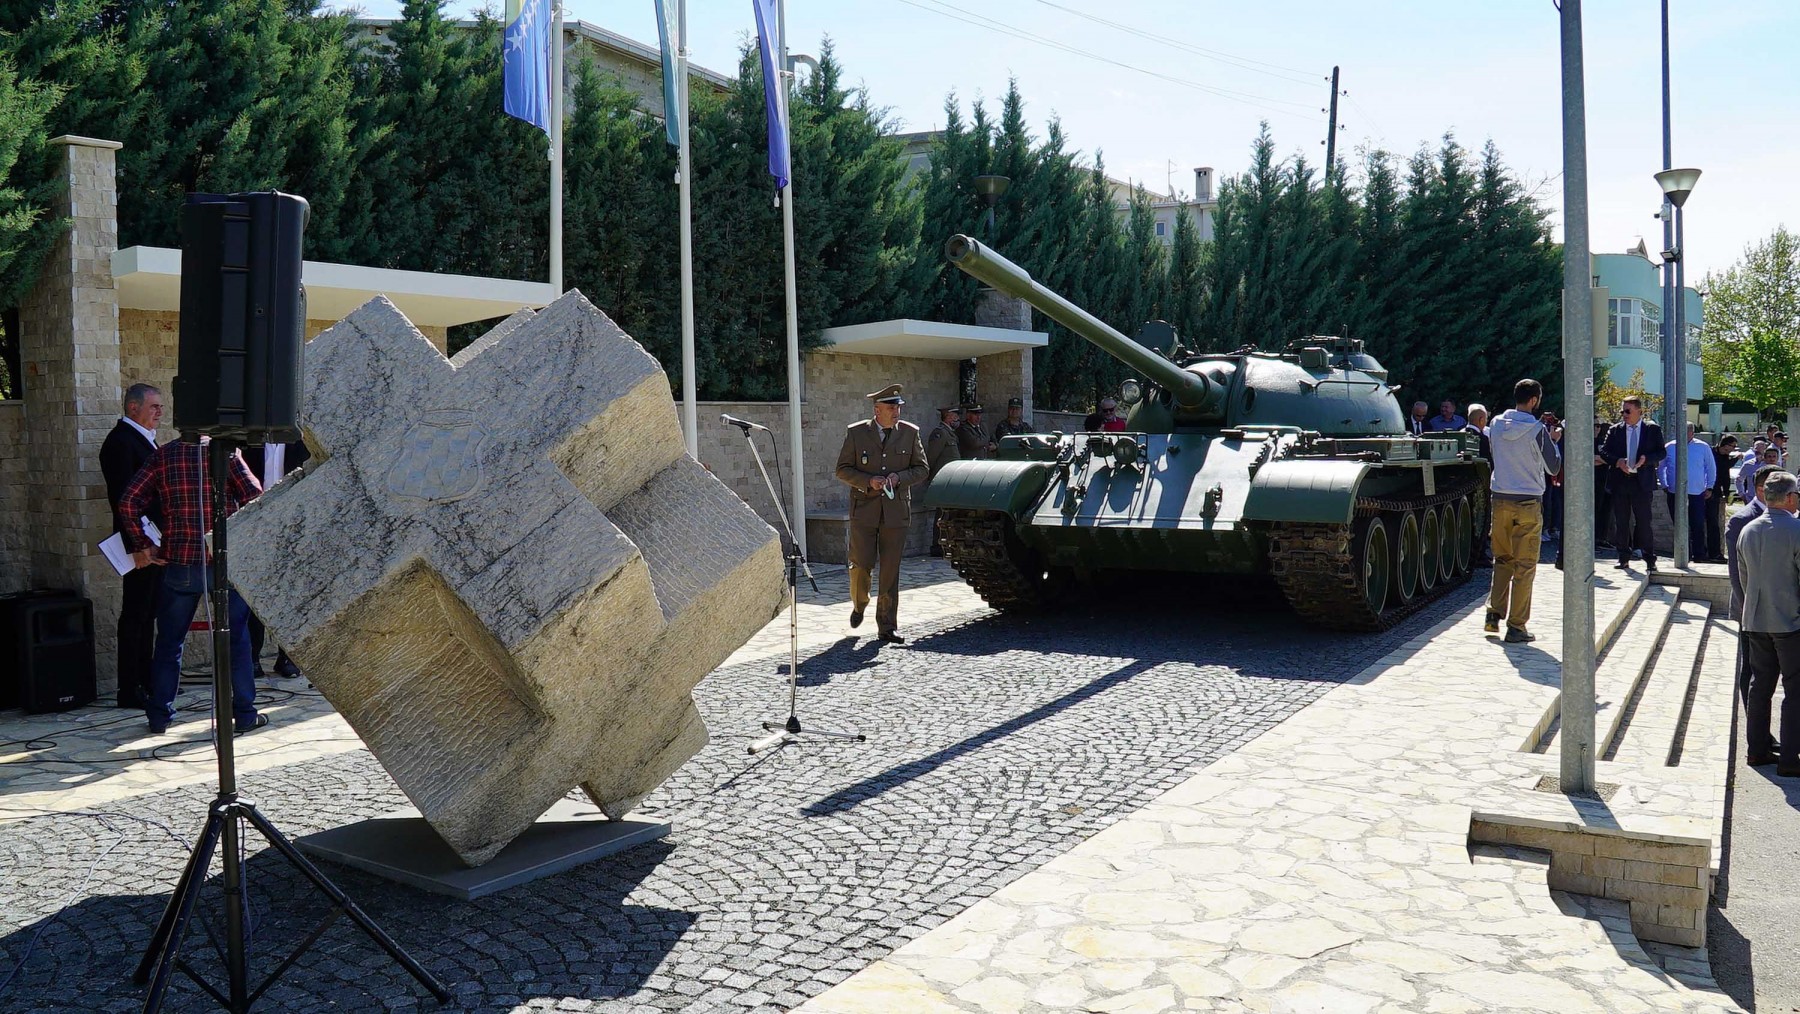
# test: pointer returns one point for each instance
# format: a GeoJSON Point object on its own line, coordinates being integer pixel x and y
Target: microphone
{"type": "Point", "coordinates": [742, 424]}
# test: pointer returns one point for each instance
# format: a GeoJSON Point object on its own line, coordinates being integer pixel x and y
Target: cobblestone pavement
{"type": "Point", "coordinates": [103, 753]}
{"type": "Point", "coordinates": [995, 744]}
{"type": "Point", "coordinates": [1327, 868]}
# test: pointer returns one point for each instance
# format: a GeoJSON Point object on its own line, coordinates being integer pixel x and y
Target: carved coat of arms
{"type": "Point", "coordinates": [440, 458]}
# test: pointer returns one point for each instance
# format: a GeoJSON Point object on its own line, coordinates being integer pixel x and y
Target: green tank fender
{"type": "Point", "coordinates": [1009, 486]}
{"type": "Point", "coordinates": [1322, 492]}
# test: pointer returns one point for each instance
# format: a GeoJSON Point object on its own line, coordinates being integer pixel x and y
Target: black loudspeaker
{"type": "Point", "coordinates": [47, 644]}
{"type": "Point", "coordinates": [243, 317]}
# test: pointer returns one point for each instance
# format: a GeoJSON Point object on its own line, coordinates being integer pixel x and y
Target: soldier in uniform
{"type": "Point", "coordinates": [1015, 422]}
{"type": "Point", "coordinates": [941, 447]}
{"type": "Point", "coordinates": [940, 450]}
{"type": "Point", "coordinates": [972, 440]}
{"type": "Point", "coordinates": [881, 460]}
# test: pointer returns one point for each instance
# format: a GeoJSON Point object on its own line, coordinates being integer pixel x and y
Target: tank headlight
{"type": "Point", "coordinates": [1125, 452]}
{"type": "Point", "coordinates": [1131, 392]}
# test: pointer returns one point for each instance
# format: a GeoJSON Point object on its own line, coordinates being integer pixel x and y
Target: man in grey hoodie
{"type": "Point", "coordinates": [1524, 453]}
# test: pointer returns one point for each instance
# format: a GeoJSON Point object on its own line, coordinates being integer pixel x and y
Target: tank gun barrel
{"type": "Point", "coordinates": [1191, 390]}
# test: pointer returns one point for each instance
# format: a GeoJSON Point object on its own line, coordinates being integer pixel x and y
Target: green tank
{"type": "Point", "coordinates": [1293, 466]}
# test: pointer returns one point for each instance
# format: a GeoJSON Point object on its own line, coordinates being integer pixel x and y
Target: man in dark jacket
{"type": "Point", "coordinates": [1715, 513]}
{"type": "Point", "coordinates": [125, 450]}
{"type": "Point", "coordinates": [1633, 449]}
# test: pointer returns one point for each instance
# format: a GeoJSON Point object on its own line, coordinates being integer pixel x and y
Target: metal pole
{"type": "Point", "coordinates": [796, 445]}
{"type": "Point", "coordinates": [1577, 738]}
{"type": "Point", "coordinates": [690, 411]}
{"type": "Point", "coordinates": [556, 147]}
{"type": "Point", "coordinates": [1674, 355]}
{"type": "Point", "coordinates": [1683, 530]}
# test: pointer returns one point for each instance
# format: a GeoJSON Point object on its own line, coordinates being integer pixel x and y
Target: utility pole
{"type": "Point", "coordinates": [1332, 129]}
{"type": "Point", "coordinates": [1674, 341]}
{"type": "Point", "coordinates": [1577, 738]}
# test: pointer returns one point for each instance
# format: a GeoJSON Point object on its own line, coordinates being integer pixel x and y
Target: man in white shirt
{"type": "Point", "coordinates": [1700, 479]}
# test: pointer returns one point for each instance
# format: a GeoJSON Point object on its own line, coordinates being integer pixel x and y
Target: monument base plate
{"type": "Point", "coordinates": [402, 847]}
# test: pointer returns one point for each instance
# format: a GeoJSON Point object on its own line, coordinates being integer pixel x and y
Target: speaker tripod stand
{"type": "Point", "coordinates": [791, 729]}
{"type": "Point", "coordinates": [225, 820]}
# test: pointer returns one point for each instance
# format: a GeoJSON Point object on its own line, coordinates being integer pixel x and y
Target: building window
{"type": "Point", "coordinates": [1162, 229]}
{"type": "Point", "coordinates": [1633, 323]}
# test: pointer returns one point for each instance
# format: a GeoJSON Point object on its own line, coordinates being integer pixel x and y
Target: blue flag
{"type": "Point", "coordinates": [767, 40]}
{"type": "Point", "coordinates": [666, 32]}
{"type": "Point", "coordinates": [525, 61]}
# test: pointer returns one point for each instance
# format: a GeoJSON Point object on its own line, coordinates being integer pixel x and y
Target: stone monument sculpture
{"type": "Point", "coordinates": [502, 568]}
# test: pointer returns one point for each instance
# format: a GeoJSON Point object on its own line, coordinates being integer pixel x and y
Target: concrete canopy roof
{"type": "Point", "coordinates": [149, 278]}
{"type": "Point", "coordinates": [928, 339]}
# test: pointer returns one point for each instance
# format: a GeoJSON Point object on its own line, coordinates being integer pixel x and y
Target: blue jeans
{"type": "Point", "coordinates": [183, 585]}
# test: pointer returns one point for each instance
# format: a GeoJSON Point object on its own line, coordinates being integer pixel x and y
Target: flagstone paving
{"type": "Point", "coordinates": [1327, 867]}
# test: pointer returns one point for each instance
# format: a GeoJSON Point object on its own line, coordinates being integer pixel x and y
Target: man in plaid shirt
{"type": "Point", "coordinates": [174, 484]}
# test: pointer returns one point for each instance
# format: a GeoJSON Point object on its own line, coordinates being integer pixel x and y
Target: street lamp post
{"type": "Point", "coordinates": [1676, 185]}
{"type": "Point", "coordinates": [992, 188]}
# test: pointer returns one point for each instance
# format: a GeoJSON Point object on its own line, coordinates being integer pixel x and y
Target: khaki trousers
{"type": "Point", "coordinates": [869, 543]}
{"type": "Point", "coordinates": [1517, 532]}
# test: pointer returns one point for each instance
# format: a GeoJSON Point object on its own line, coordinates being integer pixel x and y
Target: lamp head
{"type": "Point", "coordinates": [992, 188]}
{"type": "Point", "coordinates": [1677, 184]}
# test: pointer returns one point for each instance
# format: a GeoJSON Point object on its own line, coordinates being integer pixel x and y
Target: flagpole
{"type": "Point", "coordinates": [690, 412]}
{"type": "Point", "coordinates": [796, 445]}
{"type": "Point", "coordinates": [556, 152]}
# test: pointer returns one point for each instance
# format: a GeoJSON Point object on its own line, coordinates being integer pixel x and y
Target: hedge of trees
{"type": "Point", "coordinates": [1440, 261]}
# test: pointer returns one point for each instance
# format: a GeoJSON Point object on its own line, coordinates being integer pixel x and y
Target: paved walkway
{"type": "Point", "coordinates": [101, 754]}
{"type": "Point", "coordinates": [1324, 867]}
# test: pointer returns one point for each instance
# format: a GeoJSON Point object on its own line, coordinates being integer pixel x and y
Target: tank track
{"type": "Point", "coordinates": [986, 554]}
{"type": "Point", "coordinates": [1316, 567]}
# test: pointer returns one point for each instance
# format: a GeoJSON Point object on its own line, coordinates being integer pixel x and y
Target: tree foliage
{"type": "Point", "coordinates": [1440, 261]}
{"type": "Point", "coordinates": [1752, 307]}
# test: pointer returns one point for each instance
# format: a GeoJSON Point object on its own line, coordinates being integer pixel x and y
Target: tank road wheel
{"type": "Point", "coordinates": [1462, 534]}
{"type": "Point", "coordinates": [1374, 562]}
{"type": "Point", "coordinates": [1431, 550]}
{"type": "Point", "coordinates": [1447, 544]}
{"type": "Point", "coordinates": [1405, 584]}
{"type": "Point", "coordinates": [987, 552]}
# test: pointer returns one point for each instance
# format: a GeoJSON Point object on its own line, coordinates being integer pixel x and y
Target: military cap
{"type": "Point", "coordinates": [949, 408]}
{"type": "Point", "coordinates": [1015, 403]}
{"type": "Point", "coordinates": [889, 394]}
{"type": "Point", "coordinates": [969, 409]}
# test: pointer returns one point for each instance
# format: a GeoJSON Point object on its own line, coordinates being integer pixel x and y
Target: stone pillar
{"type": "Point", "coordinates": [994, 308]}
{"type": "Point", "coordinates": [69, 352]}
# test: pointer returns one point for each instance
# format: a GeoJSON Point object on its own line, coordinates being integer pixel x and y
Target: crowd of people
{"type": "Point", "coordinates": [1760, 543]}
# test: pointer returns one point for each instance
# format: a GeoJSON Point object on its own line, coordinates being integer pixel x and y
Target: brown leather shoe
{"type": "Point", "coordinates": [893, 638]}
{"type": "Point", "coordinates": [855, 618]}
{"type": "Point", "coordinates": [1761, 761]}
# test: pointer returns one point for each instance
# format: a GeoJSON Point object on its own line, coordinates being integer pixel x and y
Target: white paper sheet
{"type": "Point", "coordinates": [113, 547]}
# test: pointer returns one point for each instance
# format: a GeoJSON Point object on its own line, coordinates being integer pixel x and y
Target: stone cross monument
{"type": "Point", "coordinates": [502, 568]}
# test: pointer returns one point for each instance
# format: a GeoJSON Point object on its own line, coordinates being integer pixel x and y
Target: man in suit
{"type": "Point", "coordinates": [270, 463]}
{"type": "Point", "coordinates": [1733, 528]}
{"type": "Point", "coordinates": [124, 451]}
{"type": "Point", "coordinates": [1416, 423]}
{"type": "Point", "coordinates": [1633, 449]}
{"type": "Point", "coordinates": [1769, 565]}
{"type": "Point", "coordinates": [881, 460]}
{"type": "Point", "coordinates": [1721, 492]}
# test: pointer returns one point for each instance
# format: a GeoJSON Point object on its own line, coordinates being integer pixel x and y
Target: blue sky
{"type": "Point", "coordinates": [1413, 69]}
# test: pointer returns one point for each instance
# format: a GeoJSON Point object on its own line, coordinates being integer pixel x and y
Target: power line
{"type": "Point", "coordinates": [1244, 98]}
{"type": "Point", "coordinates": [1368, 116]}
{"type": "Point", "coordinates": [1274, 70]}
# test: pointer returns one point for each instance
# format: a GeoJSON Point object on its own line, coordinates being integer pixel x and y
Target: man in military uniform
{"type": "Point", "coordinates": [972, 440]}
{"type": "Point", "coordinates": [941, 447]}
{"type": "Point", "coordinates": [1015, 422]}
{"type": "Point", "coordinates": [881, 460]}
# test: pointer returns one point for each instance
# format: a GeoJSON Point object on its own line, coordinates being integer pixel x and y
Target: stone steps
{"type": "Point", "coordinates": [1621, 669]}
{"type": "Point", "coordinates": [1655, 716]}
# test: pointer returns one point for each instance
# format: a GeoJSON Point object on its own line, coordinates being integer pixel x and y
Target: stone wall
{"type": "Point", "coordinates": [15, 526]}
{"type": "Point", "coordinates": [69, 359]}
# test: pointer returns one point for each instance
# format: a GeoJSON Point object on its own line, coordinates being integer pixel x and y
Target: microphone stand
{"type": "Point", "coordinates": [789, 731]}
